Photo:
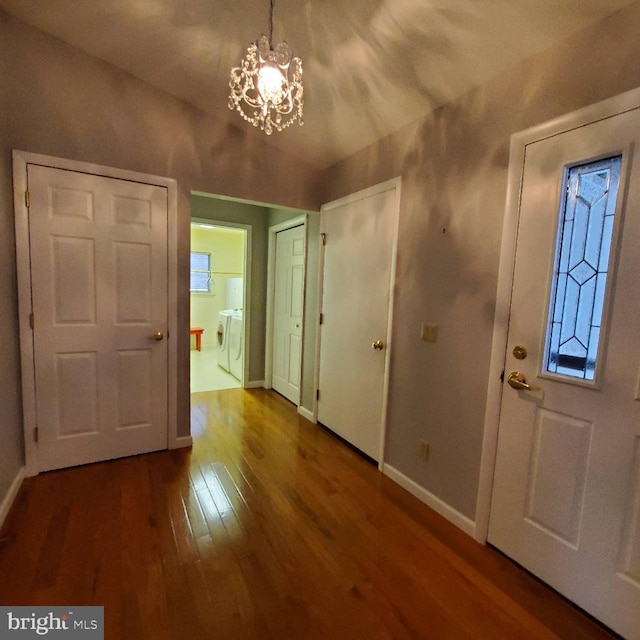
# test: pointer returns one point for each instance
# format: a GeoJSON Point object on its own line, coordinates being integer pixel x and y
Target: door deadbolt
{"type": "Point", "coordinates": [519, 352]}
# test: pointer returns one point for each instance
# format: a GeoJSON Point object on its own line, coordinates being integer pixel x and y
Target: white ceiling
{"type": "Point", "coordinates": [370, 66]}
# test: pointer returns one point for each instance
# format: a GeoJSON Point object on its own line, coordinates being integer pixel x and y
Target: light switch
{"type": "Point", "coordinates": [429, 332]}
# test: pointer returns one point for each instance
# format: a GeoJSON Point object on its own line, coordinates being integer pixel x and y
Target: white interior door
{"type": "Point", "coordinates": [288, 312]}
{"type": "Point", "coordinates": [98, 250]}
{"type": "Point", "coordinates": [360, 237]}
{"type": "Point", "coordinates": [566, 499]}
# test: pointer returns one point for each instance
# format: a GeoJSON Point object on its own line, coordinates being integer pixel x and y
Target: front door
{"type": "Point", "coordinates": [98, 251]}
{"type": "Point", "coordinates": [566, 499]}
{"type": "Point", "coordinates": [359, 234]}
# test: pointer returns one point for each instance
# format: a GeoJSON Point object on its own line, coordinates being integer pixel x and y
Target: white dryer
{"type": "Point", "coordinates": [235, 344]}
{"type": "Point", "coordinates": [224, 321]}
{"type": "Point", "coordinates": [235, 293]}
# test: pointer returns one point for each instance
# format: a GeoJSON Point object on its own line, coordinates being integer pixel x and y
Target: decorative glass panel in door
{"type": "Point", "coordinates": [582, 262]}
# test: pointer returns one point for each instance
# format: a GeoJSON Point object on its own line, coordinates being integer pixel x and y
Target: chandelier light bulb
{"type": "Point", "coordinates": [272, 85]}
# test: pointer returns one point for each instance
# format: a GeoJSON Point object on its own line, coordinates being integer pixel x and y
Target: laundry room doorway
{"type": "Point", "coordinates": [217, 303]}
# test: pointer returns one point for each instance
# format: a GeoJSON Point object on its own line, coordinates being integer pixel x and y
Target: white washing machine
{"type": "Point", "coordinates": [224, 321]}
{"type": "Point", "coordinates": [235, 344]}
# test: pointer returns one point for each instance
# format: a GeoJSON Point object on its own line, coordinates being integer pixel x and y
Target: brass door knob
{"type": "Point", "coordinates": [516, 381]}
{"type": "Point", "coordinates": [158, 335]}
{"type": "Point", "coordinates": [378, 345]}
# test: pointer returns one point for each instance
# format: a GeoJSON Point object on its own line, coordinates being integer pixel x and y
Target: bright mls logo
{"type": "Point", "coordinates": [20, 623]}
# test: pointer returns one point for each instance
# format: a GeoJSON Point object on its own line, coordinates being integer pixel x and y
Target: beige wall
{"type": "Point", "coordinates": [58, 101]}
{"type": "Point", "coordinates": [454, 169]}
{"type": "Point", "coordinates": [11, 435]}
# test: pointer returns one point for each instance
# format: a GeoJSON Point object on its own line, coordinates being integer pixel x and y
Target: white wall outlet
{"type": "Point", "coordinates": [424, 449]}
{"type": "Point", "coordinates": [429, 332]}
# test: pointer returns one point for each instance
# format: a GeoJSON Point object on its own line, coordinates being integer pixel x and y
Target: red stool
{"type": "Point", "coordinates": [197, 332]}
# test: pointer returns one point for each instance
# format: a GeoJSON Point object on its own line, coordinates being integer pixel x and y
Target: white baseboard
{"type": "Point", "coordinates": [11, 494]}
{"type": "Point", "coordinates": [181, 441]}
{"type": "Point", "coordinates": [446, 511]}
{"type": "Point", "coordinates": [305, 413]}
{"type": "Point", "coordinates": [254, 384]}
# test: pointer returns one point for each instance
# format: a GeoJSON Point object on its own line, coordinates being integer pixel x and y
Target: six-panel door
{"type": "Point", "coordinates": [99, 286]}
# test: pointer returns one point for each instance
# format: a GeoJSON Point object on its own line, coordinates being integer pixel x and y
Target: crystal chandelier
{"type": "Point", "coordinates": [266, 89]}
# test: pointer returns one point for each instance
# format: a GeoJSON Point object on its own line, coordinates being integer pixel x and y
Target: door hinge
{"type": "Point", "coordinates": [27, 199]}
{"type": "Point", "coordinates": [35, 434]}
{"type": "Point", "coordinates": [317, 394]}
{"type": "Point", "coordinates": [323, 237]}
{"type": "Point", "coordinates": [321, 318]}
{"type": "Point", "coordinates": [31, 321]}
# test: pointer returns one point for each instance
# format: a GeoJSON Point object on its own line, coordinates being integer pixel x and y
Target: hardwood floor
{"type": "Point", "coordinates": [268, 528]}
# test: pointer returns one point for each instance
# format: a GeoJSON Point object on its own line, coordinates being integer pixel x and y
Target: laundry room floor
{"type": "Point", "coordinates": [206, 375]}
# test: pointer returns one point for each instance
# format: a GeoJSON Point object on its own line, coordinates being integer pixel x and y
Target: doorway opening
{"type": "Point", "coordinates": [217, 295]}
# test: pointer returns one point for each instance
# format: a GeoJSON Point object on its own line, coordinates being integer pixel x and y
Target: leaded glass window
{"type": "Point", "coordinates": [585, 233]}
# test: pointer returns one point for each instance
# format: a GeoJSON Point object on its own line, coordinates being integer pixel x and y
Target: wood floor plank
{"type": "Point", "coordinates": [269, 527]}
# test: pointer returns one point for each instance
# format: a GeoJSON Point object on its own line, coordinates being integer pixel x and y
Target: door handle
{"type": "Point", "coordinates": [158, 335]}
{"type": "Point", "coordinates": [378, 345]}
{"type": "Point", "coordinates": [516, 381]}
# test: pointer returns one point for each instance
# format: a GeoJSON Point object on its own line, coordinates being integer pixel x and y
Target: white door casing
{"type": "Point", "coordinates": [358, 274]}
{"type": "Point", "coordinates": [96, 247]}
{"type": "Point", "coordinates": [566, 493]}
{"type": "Point", "coordinates": [288, 312]}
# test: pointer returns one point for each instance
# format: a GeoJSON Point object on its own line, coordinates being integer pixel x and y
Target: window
{"type": "Point", "coordinates": [585, 233]}
{"type": "Point", "coordinates": [200, 272]}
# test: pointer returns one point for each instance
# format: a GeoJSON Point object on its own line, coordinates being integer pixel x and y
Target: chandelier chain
{"type": "Point", "coordinates": [271, 3]}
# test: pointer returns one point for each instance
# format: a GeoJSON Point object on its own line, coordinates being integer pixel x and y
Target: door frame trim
{"type": "Point", "coordinates": [20, 161]}
{"type": "Point", "coordinates": [608, 108]}
{"type": "Point", "coordinates": [298, 221]}
{"type": "Point", "coordinates": [387, 185]}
